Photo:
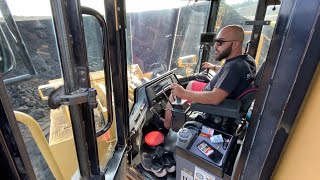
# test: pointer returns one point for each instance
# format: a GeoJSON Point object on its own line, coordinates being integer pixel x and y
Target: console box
{"type": "Point", "coordinates": [191, 162]}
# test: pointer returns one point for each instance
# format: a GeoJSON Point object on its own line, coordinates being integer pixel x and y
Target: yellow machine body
{"type": "Point", "coordinates": [61, 141]}
{"type": "Point", "coordinates": [300, 158]}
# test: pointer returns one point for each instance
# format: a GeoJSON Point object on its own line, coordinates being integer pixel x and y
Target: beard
{"type": "Point", "coordinates": [224, 54]}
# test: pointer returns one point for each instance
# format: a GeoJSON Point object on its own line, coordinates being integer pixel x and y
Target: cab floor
{"type": "Point", "coordinates": [170, 145]}
{"type": "Point", "coordinates": [150, 176]}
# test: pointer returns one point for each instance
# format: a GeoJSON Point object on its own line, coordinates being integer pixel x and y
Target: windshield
{"type": "Point", "coordinates": [163, 35]}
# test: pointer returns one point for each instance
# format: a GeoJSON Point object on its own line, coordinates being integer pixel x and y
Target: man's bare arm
{"type": "Point", "coordinates": [207, 65]}
{"type": "Point", "coordinates": [206, 97]}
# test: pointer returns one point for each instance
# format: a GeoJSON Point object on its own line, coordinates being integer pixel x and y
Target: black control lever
{"type": "Point", "coordinates": [179, 110]}
{"type": "Point", "coordinates": [204, 76]}
{"type": "Point", "coordinates": [164, 89]}
{"type": "Point", "coordinates": [178, 100]}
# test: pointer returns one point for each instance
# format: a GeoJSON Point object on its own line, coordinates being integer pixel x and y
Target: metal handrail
{"type": "Point", "coordinates": [106, 61]}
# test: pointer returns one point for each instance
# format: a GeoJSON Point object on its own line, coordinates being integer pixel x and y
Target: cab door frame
{"type": "Point", "coordinates": [74, 62]}
{"type": "Point", "coordinates": [115, 13]}
{"type": "Point", "coordinates": [70, 34]}
{"type": "Point", "coordinates": [67, 16]}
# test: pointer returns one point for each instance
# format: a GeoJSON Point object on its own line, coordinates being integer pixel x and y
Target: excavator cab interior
{"type": "Point", "coordinates": [84, 87]}
{"type": "Point", "coordinates": [164, 45]}
{"type": "Point", "coordinates": [227, 120]}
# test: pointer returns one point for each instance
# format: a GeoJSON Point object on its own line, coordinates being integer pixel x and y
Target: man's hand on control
{"type": "Point", "coordinates": [207, 65]}
{"type": "Point", "coordinates": [177, 90]}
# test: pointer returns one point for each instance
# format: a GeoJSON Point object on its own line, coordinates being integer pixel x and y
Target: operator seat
{"type": "Point", "coordinates": [248, 96]}
{"type": "Point", "coordinates": [234, 109]}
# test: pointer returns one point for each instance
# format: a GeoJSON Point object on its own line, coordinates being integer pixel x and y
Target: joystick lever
{"type": "Point", "coordinates": [205, 76]}
{"type": "Point", "coordinates": [180, 107]}
{"type": "Point", "coordinates": [180, 104]}
{"type": "Point", "coordinates": [178, 100]}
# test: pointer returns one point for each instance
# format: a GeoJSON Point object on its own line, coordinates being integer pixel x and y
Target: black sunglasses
{"type": "Point", "coordinates": [219, 42]}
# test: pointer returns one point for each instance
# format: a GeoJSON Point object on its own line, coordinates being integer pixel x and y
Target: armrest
{"type": "Point", "coordinates": [228, 108]}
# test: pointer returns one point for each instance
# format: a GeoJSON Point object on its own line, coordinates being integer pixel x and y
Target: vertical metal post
{"type": "Point", "coordinates": [214, 8]}
{"type": "Point", "coordinates": [116, 47]}
{"type": "Point", "coordinates": [256, 30]}
{"type": "Point", "coordinates": [74, 15]}
{"type": "Point", "coordinates": [70, 35]}
{"type": "Point", "coordinates": [174, 37]}
{"type": "Point", "coordinates": [210, 28]}
{"type": "Point", "coordinates": [115, 15]}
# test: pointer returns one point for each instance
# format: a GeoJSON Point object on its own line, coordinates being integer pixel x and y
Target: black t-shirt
{"type": "Point", "coordinates": [234, 76]}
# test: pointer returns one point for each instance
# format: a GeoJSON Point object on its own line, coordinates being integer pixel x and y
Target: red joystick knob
{"type": "Point", "coordinates": [154, 138]}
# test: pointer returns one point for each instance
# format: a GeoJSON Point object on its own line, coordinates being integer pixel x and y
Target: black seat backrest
{"type": "Point", "coordinates": [249, 94]}
{"type": "Point", "coordinates": [247, 98]}
{"type": "Point", "coordinates": [258, 78]}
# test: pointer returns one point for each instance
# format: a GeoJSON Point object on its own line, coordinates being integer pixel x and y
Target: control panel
{"type": "Point", "coordinates": [152, 95]}
{"type": "Point", "coordinates": [159, 89]}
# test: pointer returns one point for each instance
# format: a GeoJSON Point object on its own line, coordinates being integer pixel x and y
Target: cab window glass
{"type": "Point", "coordinates": [34, 22]}
{"type": "Point", "coordinates": [159, 33]}
{"type": "Point", "coordinates": [192, 22]}
{"type": "Point", "coordinates": [235, 13]}
{"type": "Point", "coordinates": [266, 35]}
{"type": "Point", "coordinates": [238, 12]}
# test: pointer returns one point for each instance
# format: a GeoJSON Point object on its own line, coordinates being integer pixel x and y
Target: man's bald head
{"type": "Point", "coordinates": [232, 32]}
{"type": "Point", "coordinates": [229, 42]}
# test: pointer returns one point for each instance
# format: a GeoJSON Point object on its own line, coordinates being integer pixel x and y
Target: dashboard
{"type": "Point", "coordinates": [150, 98]}
{"type": "Point", "coordinates": [162, 86]}
{"type": "Point", "coordinates": [156, 91]}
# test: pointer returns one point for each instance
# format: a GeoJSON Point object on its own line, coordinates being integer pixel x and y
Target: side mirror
{"type": "Point", "coordinates": [7, 59]}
